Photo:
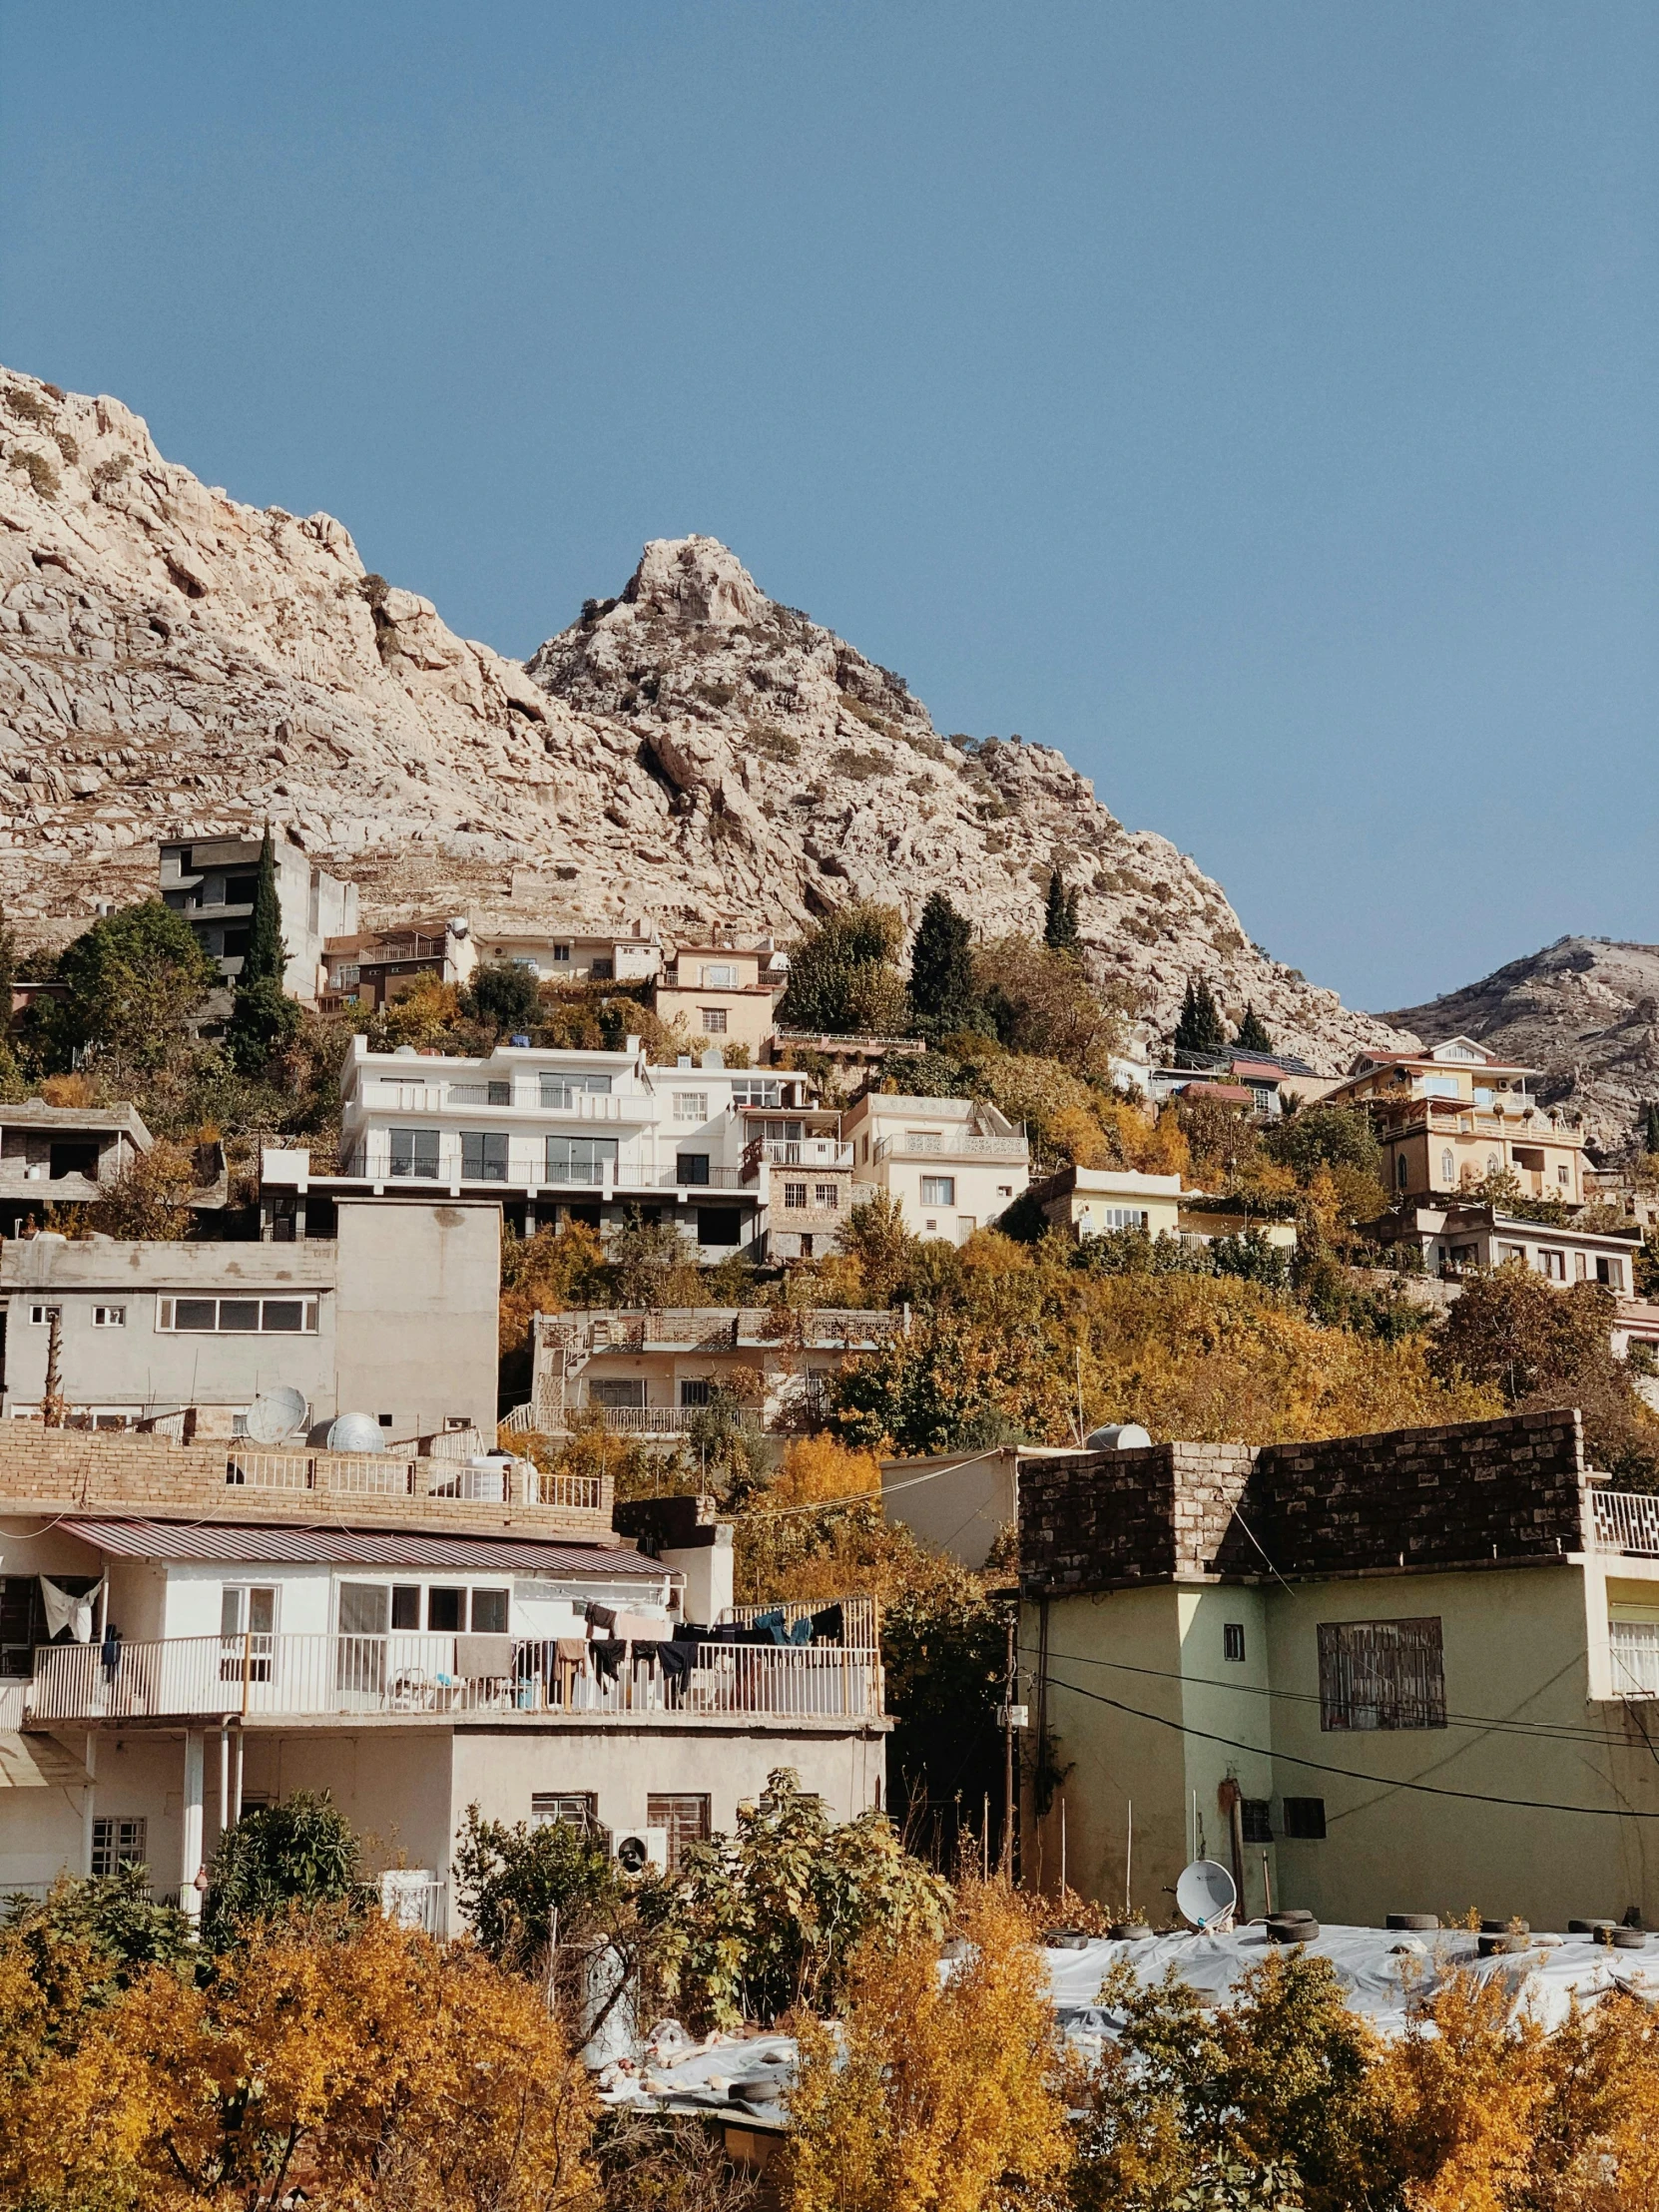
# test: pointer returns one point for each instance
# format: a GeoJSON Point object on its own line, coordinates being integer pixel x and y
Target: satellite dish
{"type": "Point", "coordinates": [355, 1432]}
{"type": "Point", "coordinates": [1126, 1435]}
{"type": "Point", "coordinates": [1205, 1893]}
{"type": "Point", "coordinates": [276, 1414]}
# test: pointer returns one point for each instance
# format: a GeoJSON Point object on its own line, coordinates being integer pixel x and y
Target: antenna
{"type": "Point", "coordinates": [1205, 1894]}
{"type": "Point", "coordinates": [276, 1414]}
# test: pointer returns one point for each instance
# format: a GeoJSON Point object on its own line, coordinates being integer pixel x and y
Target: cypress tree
{"type": "Point", "coordinates": [1060, 919]}
{"type": "Point", "coordinates": [941, 968]}
{"type": "Point", "coordinates": [1201, 1030]}
{"type": "Point", "coordinates": [1650, 1126]}
{"type": "Point", "coordinates": [1253, 1033]}
{"type": "Point", "coordinates": [262, 1016]}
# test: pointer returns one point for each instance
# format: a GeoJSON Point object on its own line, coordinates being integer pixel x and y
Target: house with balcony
{"type": "Point", "coordinates": [1452, 1240]}
{"type": "Point", "coordinates": [211, 880]}
{"type": "Point", "coordinates": [574, 952]}
{"type": "Point", "coordinates": [723, 993]}
{"type": "Point", "coordinates": [187, 1630]}
{"type": "Point", "coordinates": [649, 1375]}
{"type": "Point", "coordinates": [68, 1156]}
{"type": "Point", "coordinates": [1455, 1114]}
{"type": "Point", "coordinates": [393, 1314]}
{"type": "Point", "coordinates": [1394, 1673]}
{"type": "Point", "coordinates": [954, 1164]}
{"type": "Point", "coordinates": [372, 968]}
{"type": "Point", "coordinates": [1098, 1202]}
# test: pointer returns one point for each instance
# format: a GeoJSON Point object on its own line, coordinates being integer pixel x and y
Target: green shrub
{"type": "Point", "coordinates": [41, 474]}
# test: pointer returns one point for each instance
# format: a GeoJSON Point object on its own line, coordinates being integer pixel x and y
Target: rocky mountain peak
{"type": "Point", "coordinates": [173, 664]}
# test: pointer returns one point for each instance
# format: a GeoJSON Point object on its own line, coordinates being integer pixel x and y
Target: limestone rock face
{"type": "Point", "coordinates": [172, 663]}
{"type": "Point", "coordinates": [1583, 1010]}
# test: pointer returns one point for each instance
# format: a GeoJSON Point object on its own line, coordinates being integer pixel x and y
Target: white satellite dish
{"type": "Point", "coordinates": [276, 1414]}
{"type": "Point", "coordinates": [355, 1432]}
{"type": "Point", "coordinates": [1126, 1435]}
{"type": "Point", "coordinates": [1205, 1893]}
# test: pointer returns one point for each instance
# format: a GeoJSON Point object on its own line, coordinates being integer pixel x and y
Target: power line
{"type": "Point", "coordinates": [1350, 1774]}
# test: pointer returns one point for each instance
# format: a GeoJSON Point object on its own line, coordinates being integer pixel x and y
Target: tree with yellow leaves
{"type": "Point", "coordinates": [942, 2092]}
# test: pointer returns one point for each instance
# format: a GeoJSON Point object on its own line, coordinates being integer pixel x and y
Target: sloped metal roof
{"type": "Point", "coordinates": [353, 1547]}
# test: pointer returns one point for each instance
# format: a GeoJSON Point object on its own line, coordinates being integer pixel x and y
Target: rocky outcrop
{"type": "Point", "coordinates": [1584, 1010]}
{"type": "Point", "coordinates": [172, 663]}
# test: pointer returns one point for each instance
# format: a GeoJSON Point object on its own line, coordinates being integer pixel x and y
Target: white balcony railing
{"type": "Point", "coordinates": [478, 1481]}
{"type": "Point", "coordinates": [1625, 1520]}
{"type": "Point", "coordinates": [346, 1677]}
{"type": "Point", "coordinates": [929, 1145]}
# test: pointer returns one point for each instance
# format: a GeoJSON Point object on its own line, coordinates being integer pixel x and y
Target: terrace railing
{"type": "Point", "coordinates": [1625, 1520]}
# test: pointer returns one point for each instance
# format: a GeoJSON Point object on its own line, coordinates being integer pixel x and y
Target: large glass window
{"type": "Point", "coordinates": [939, 1190]}
{"type": "Point", "coordinates": [579, 1159]}
{"type": "Point", "coordinates": [691, 1167]}
{"type": "Point", "coordinates": [561, 1092]}
{"type": "Point", "coordinates": [617, 1390]}
{"type": "Point", "coordinates": [415, 1152]}
{"type": "Point", "coordinates": [237, 1317]}
{"type": "Point", "coordinates": [483, 1156]}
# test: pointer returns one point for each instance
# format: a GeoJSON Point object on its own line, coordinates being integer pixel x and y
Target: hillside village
{"type": "Point", "coordinates": [580, 1344]}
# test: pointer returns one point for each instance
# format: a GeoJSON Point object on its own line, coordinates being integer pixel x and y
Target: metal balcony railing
{"type": "Point", "coordinates": [929, 1145]}
{"type": "Point", "coordinates": [1625, 1520]}
{"type": "Point", "coordinates": [333, 1677]}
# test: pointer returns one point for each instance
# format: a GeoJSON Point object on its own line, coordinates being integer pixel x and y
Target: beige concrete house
{"type": "Point", "coordinates": [723, 993]}
{"type": "Point", "coordinates": [239, 1624]}
{"type": "Point", "coordinates": [62, 1156]}
{"type": "Point", "coordinates": [1407, 1672]}
{"type": "Point", "coordinates": [649, 1375]}
{"type": "Point", "coordinates": [954, 1164]}
{"type": "Point", "coordinates": [211, 882]}
{"type": "Point", "coordinates": [372, 967]}
{"type": "Point", "coordinates": [393, 1314]}
{"type": "Point", "coordinates": [1452, 1240]}
{"type": "Point", "coordinates": [577, 952]}
{"type": "Point", "coordinates": [1454, 1115]}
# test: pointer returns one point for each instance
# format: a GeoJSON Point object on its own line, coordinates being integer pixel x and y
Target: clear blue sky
{"type": "Point", "coordinates": [1254, 400]}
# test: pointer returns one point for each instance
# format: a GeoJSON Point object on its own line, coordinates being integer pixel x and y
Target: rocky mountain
{"type": "Point", "coordinates": [172, 663]}
{"type": "Point", "coordinates": [1584, 1010]}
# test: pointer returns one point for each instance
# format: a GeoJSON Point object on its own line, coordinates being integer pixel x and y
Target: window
{"type": "Point", "coordinates": [415, 1152]}
{"type": "Point", "coordinates": [757, 1092]}
{"type": "Point", "coordinates": [22, 1624]}
{"type": "Point", "coordinates": [72, 1158]}
{"type": "Point", "coordinates": [445, 1611]}
{"type": "Point", "coordinates": [691, 1168]}
{"type": "Point", "coordinates": [406, 1607]}
{"type": "Point", "coordinates": [119, 1840]}
{"type": "Point", "coordinates": [939, 1190]}
{"type": "Point", "coordinates": [794, 1194]}
{"type": "Point", "coordinates": [561, 955]}
{"type": "Point", "coordinates": [1382, 1674]}
{"type": "Point", "coordinates": [1610, 1272]}
{"type": "Point", "coordinates": [483, 1156]}
{"type": "Point", "coordinates": [347, 975]}
{"type": "Point", "coordinates": [1580, 1267]}
{"type": "Point", "coordinates": [1255, 1819]}
{"type": "Point", "coordinates": [827, 1195]}
{"type": "Point", "coordinates": [1508, 1253]}
{"type": "Point", "coordinates": [691, 1105]}
{"type": "Point", "coordinates": [686, 1819]}
{"type": "Point", "coordinates": [237, 1317]}
{"type": "Point", "coordinates": [1232, 1640]}
{"type": "Point", "coordinates": [1563, 1173]}
{"type": "Point", "coordinates": [719, 1224]}
{"type": "Point", "coordinates": [601, 971]}
{"type": "Point", "coordinates": [712, 1019]}
{"type": "Point", "coordinates": [481, 1094]}
{"type": "Point", "coordinates": [695, 1392]}
{"type": "Point", "coordinates": [1554, 1265]}
{"type": "Point", "coordinates": [719, 975]}
{"type": "Point", "coordinates": [1494, 1163]}
{"type": "Point", "coordinates": [1441, 1086]}
{"type": "Point", "coordinates": [565, 1808]}
{"type": "Point", "coordinates": [247, 1624]}
{"type": "Point", "coordinates": [1448, 1170]}
{"type": "Point", "coordinates": [1401, 1170]}
{"type": "Point", "coordinates": [561, 1092]}
{"type": "Point", "coordinates": [580, 1159]}
{"type": "Point", "coordinates": [1123, 1217]}
{"type": "Point", "coordinates": [1305, 1818]}
{"type": "Point", "coordinates": [617, 1390]}
{"type": "Point", "coordinates": [489, 1612]}
{"type": "Point", "coordinates": [109, 1317]}
{"type": "Point", "coordinates": [41, 1315]}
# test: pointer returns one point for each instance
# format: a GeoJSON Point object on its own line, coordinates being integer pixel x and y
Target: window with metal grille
{"type": "Point", "coordinates": [617, 1390]}
{"type": "Point", "coordinates": [695, 1392]}
{"type": "Point", "coordinates": [1232, 1640]}
{"type": "Point", "coordinates": [686, 1818]}
{"type": "Point", "coordinates": [118, 1841]}
{"type": "Point", "coordinates": [794, 1194]}
{"type": "Point", "coordinates": [1305, 1818]}
{"type": "Point", "coordinates": [565, 1807]}
{"type": "Point", "coordinates": [712, 1019]}
{"type": "Point", "coordinates": [1382, 1674]}
{"type": "Point", "coordinates": [483, 1156]}
{"type": "Point", "coordinates": [1254, 1815]}
{"type": "Point", "coordinates": [828, 1196]}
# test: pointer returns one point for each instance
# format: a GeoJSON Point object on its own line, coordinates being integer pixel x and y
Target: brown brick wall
{"type": "Point", "coordinates": [153, 1478]}
{"type": "Point", "coordinates": [1415, 1497]}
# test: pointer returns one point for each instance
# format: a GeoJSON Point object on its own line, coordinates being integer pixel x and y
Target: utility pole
{"type": "Point", "coordinates": [1012, 1717]}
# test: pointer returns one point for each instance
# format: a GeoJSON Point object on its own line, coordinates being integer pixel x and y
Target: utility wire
{"type": "Point", "coordinates": [1352, 1773]}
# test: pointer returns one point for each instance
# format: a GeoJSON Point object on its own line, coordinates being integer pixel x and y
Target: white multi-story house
{"type": "Point", "coordinates": [735, 1157]}
{"type": "Point", "coordinates": [571, 952]}
{"type": "Point", "coordinates": [190, 1629]}
{"type": "Point", "coordinates": [954, 1164]}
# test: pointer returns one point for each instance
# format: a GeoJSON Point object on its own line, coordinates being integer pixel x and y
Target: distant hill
{"type": "Point", "coordinates": [1584, 1010]}
{"type": "Point", "coordinates": [172, 663]}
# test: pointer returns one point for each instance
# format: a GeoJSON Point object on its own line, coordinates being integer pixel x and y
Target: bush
{"type": "Point", "coordinates": [506, 996]}
{"type": "Point", "coordinates": [43, 477]}
{"type": "Point", "coordinates": [509, 1883]}
{"type": "Point", "coordinates": [299, 1853]}
{"type": "Point", "coordinates": [843, 981]}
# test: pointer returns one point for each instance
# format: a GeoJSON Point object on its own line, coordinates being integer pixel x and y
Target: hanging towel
{"type": "Point", "coordinates": [64, 1611]}
{"type": "Point", "coordinates": [802, 1632]}
{"type": "Point", "coordinates": [676, 1661]}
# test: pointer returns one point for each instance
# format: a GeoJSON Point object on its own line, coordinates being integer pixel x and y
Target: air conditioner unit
{"type": "Point", "coordinates": [641, 1849]}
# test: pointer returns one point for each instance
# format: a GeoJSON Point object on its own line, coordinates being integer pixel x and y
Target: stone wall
{"type": "Point", "coordinates": [1509, 1490]}
{"type": "Point", "coordinates": [118, 1474]}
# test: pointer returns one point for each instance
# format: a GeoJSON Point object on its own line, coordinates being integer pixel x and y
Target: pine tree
{"type": "Point", "coordinates": [1253, 1033]}
{"type": "Point", "coordinates": [1060, 919]}
{"type": "Point", "coordinates": [262, 1016]}
{"type": "Point", "coordinates": [1201, 1031]}
{"type": "Point", "coordinates": [941, 968]}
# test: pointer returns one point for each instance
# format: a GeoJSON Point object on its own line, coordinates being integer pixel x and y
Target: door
{"type": "Point", "coordinates": [360, 1651]}
{"type": "Point", "coordinates": [247, 1624]}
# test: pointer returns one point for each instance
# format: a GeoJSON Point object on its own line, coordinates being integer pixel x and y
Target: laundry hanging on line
{"type": "Point", "coordinates": [63, 1610]}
